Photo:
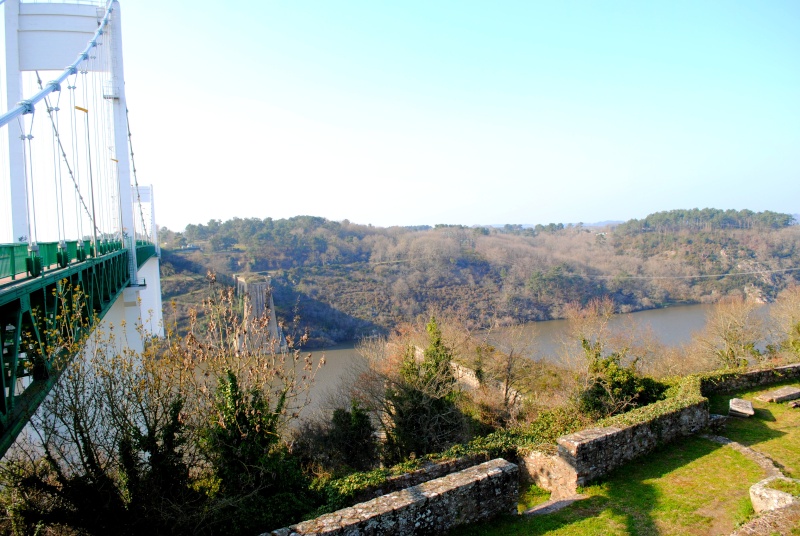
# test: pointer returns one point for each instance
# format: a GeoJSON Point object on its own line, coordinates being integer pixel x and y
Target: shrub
{"type": "Point", "coordinates": [421, 402]}
{"type": "Point", "coordinates": [613, 388]}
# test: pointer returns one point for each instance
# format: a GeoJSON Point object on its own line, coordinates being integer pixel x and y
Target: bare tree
{"type": "Point", "coordinates": [732, 334]}
{"type": "Point", "coordinates": [129, 441]}
{"type": "Point", "coordinates": [511, 365]}
{"type": "Point", "coordinates": [785, 316]}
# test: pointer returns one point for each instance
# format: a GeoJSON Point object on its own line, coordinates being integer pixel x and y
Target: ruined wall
{"type": "Point", "coordinates": [592, 453]}
{"type": "Point", "coordinates": [434, 507]}
{"type": "Point", "coordinates": [550, 472]}
{"type": "Point", "coordinates": [734, 381]}
{"type": "Point", "coordinates": [414, 478]}
{"type": "Point", "coordinates": [595, 452]}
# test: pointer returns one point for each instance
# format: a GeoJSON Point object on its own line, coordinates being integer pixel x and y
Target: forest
{"type": "Point", "coordinates": [347, 280]}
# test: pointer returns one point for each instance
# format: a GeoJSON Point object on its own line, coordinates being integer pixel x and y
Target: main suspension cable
{"type": "Point", "coordinates": [135, 179]}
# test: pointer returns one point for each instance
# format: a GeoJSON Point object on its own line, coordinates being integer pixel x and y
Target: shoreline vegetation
{"type": "Point", "coordinates": [349, 281]}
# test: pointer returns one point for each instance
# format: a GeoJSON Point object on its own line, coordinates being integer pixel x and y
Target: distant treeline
{"type": "Point", "coordinates": [706, 220]}
{"type": "Point", "coordinates": [349, 279]}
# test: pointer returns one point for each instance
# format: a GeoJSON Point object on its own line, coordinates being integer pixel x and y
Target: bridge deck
{"type": "Point", "coordinates": [61, 302]}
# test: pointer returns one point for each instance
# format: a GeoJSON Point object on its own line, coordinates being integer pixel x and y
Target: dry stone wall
{"type": "Point", "coordinates": [734, 381]}
{"type": "Point", "coordinates": [491, 488]}
{"type": "Point", "coordinates": [414, 478]}
{"type": "Point", "coordinates": [595, 452]}
{"type": "Point", "coordinates": [592, 453]}
{"type": "Point", "coordinates": [434, 507]}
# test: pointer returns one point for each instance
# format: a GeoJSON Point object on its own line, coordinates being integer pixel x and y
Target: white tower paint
{"type": "Point", "coordinates": [47, 37]}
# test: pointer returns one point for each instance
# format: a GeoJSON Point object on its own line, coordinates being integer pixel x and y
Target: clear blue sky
{"type": "Point", "coordinates": [399, 113]}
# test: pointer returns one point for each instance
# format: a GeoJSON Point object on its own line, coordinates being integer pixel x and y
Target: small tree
{"type": "Point", "coordinates": [732, 333]}
{"type": "Point", "coordinates": [257, 480]}
{"type": "Point", "coordinates": [785, 314]}
{"type": "Point", "coordinates": [420, 401]}
{"type": "Point", "coordinates": [352, 437]}
{"type": "Point", "coordinates": [613, 388]}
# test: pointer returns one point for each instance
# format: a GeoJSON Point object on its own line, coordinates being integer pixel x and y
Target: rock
{"type": "Point", "coordinates": [740, 408]}
{"type": "Point", "coordinates": [764, 498]}
{"type": "Point", "coordinates": [781, 395]}
{"type": "Point", "coordinates": [716, 423]}
{"type": "Point", "coordinates": [795, 404]}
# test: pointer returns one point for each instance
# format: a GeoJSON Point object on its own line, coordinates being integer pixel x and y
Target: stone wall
{"type": "Point", "coordinates": [595, 452]}
{"type": "Point", "coordinates": [434, 507]}
{"type": "Point", "coordinates": [734, 381]}
{"type": "Point", "coordinates": [550, 472]}
{"type": "Point", "coordinates": [592, 453]}
{"type": "Point", "coordinates": [424, 474]}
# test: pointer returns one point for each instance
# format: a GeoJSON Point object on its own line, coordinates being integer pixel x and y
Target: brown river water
{"type": "Point", "coordinates": [673, 326]}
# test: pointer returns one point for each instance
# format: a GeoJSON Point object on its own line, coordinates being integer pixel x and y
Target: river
{"type": "Point", "coordinates": [672, 326]}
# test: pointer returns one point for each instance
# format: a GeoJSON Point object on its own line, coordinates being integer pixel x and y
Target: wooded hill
{"type": "Point", "coordinates": [349, 280]}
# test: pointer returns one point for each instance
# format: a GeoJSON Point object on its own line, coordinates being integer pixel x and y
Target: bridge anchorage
{"type": "Point", "coordinates": [78, 240]}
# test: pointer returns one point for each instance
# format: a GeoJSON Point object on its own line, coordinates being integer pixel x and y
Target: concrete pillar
{"type": "Point", "coordinates": [15, 165]}
{"type": "Point", "coordinates": [120, 107]}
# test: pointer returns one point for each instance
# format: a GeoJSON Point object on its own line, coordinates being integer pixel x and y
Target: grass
{"type": "Point", "coordinates": [792, 488]}
{"type": "Point", "coordinates": [774, 430]}
{"type": "Point", "coordinates": [530, 497]}
{"type": "Point", "coordinates": [692, 487]}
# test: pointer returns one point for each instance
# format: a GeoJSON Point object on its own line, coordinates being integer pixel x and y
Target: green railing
{"type": "Point", "coordinates": [17, 262]}
{"type": "Point", "coordinates": [12, 260]}
{"type": "Point", "coordinates": [31, 313]}
{"type": "Point", "coordinates": [144, 252]}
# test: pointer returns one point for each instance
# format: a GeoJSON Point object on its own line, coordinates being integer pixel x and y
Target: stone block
{"type": "Point", "coordinates": [784, 394]}
{"type": "Point", "coordinates": [740, 408]}
{"type": "Point", "coordinates": [716, 423]}
{"type": "Point", "coordinates": [765, 498]}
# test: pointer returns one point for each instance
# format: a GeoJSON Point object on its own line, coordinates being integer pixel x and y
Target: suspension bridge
{"type": "Point", "coordinates": [78, 244]}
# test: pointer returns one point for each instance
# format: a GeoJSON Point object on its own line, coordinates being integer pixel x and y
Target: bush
{"type": "Point", "coordinates": [421, 404]}
{"type": "Point", "coordinates": [352, 437]}
{"type": "Point", "coordinates": [185, 437]}
{"type": "Point", "coordinates": [612, 387]}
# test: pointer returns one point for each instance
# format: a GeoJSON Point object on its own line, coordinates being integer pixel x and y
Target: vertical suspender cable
{"type": "Point", "coordinates": [57, 138]}
{"type": "Point", "coordinates": [29, 193]}
{"type": "Point", "coordinates": [56, 167]}
{"type": "Point", "coordinates": [91, 177]}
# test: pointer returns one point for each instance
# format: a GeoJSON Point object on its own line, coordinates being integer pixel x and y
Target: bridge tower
{"type": "Point", "coordinates": [48, 37]}
{"type": "Point", "coordinates": [102, 253]}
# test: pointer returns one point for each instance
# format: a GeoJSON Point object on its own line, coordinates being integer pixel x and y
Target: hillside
{"type": "Point", "coordinates": [347, 280]}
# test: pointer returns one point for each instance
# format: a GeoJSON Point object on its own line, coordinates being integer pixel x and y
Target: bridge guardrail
{"type": "Point", "coordinates": [17, 263]}
{"type": "Point", "coordinates": [143, 252]}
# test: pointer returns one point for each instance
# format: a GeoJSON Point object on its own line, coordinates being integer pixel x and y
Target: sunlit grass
{"type": "Point", "coordinates": [531, 496]}
{"type": "Point", "coordinates": [694, 486]}
{"type": "Point", "coordinates": [774, 430]}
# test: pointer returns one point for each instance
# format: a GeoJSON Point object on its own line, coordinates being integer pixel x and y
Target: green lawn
{"type": "Point", "coordinates": [694, 486]}
{"type": "Point", "coordinates": [774, 430]}
{"type": "Point", "coordinates": [691, 487]}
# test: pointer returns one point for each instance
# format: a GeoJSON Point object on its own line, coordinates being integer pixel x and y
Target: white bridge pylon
{"type": "Point", "coordinates": [65, 163]}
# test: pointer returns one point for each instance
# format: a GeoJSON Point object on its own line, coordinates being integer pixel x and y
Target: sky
{"type": "Point", "coordinates": [463, 112]}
